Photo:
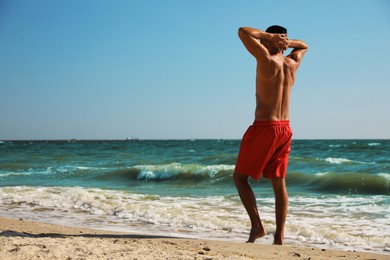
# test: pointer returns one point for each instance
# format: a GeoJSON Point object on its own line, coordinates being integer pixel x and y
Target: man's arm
{"type": "Point", "coordinates": [250, 38]}
{"type": "Point", "coordinates": [299, 49]}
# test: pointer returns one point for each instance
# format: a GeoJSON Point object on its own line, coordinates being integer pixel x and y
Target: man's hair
{"type": "Point", "coordinates": [276, 29]}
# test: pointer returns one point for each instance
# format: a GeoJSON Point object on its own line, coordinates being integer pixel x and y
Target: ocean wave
{"type": "Point", "coordinates": [172, 172]}
{"type": "Point", "coordinates": [329, 160]}
{"type": "Point", "coordinates": [204, 175]}
{"type": "Point", "coordinates": [342, 183]}
{"type": "Point", "coordinates": [169, 171]}
{"type": "Point", "coordinates": [325, 180]}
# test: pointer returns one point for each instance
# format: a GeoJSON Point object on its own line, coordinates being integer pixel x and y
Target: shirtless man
{"type": "Point", "coordinates": [265, 146]}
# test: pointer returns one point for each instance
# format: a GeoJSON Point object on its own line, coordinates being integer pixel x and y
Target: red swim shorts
{"type": "Point", "coordinates": [264, 150]}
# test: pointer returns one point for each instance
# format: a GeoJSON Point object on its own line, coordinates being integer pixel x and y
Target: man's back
{"type": "Point", "coordinates": [275, 73]}
{"type": "Point", "coordinates": [273, 86]}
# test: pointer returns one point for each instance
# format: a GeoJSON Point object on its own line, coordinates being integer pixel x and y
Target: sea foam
{"type": "Point", "coordinates": [326, 221]}
{"type": "Point", "coordinates": [337, 160]}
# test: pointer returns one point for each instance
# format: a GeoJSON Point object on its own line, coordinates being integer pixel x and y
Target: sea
{"type": "Point", "coordinates": [339, 190]}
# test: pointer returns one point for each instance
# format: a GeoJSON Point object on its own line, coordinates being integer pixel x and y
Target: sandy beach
{"type": "Point", "coordinates": [20, 239]}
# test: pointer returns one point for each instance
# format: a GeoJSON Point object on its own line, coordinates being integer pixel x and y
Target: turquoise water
{"type": "Point", "coordinates": [184, 188]}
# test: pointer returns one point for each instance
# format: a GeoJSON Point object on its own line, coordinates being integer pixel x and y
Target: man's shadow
{"type": "Point", "coordinates": [12, 233]}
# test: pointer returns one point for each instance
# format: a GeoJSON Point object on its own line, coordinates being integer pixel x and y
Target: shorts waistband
{"type": "Point", "coordinates": [271, 123]}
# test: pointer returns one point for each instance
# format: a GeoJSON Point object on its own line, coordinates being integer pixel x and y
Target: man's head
{"type": "Point", "coordinates": [274, 47]}
{"type": "Point", "coordinates": [276, 29]}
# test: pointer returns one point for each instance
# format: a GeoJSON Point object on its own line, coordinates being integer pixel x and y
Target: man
{"type": "Point", "coordinates": [265, 146]}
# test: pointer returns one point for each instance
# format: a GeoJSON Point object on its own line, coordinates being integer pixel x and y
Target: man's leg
{"type": "Point", "coordinates": [249, 201]}
{"type": "Point", "coordinates": [281, 204]}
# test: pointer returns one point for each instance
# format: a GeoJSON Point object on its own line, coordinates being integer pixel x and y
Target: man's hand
{"type": "Point", "coordinates": [279, 41]}
{"type": "Point", "coordinates": [299, 49]}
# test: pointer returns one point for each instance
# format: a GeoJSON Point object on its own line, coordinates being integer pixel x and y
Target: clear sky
{"type": "Point", "coordinates": [90, 69]}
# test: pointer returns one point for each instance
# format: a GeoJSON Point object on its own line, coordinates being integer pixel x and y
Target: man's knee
{"type": "Point", "coordinates": [278, 183]}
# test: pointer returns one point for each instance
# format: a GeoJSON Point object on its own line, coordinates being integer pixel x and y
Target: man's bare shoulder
{"type": "Point", "coordinates": [297, 54]}
{"type": "Point", "coordinates": [291, 60]}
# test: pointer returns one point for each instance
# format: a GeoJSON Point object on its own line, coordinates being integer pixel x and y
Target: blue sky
{"type": "Point", "coordinates": [176, 69]}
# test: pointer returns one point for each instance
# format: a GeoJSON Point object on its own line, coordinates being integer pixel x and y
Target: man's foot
{"type": "Point", "coordinates": [278, 240]}
{"type": "Point", "coordinates": [255, 234]}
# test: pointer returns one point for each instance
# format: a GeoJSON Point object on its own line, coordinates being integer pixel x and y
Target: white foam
{"type": "Point", "coordinates": [337, 160]}
{"type": "Point", "coordinates": [8, 174]}
{"type": "Point", "coordinates": [320, 174]}
{"type": "Point", "coordinates": [86, 168]}
{"type": "Point", "coordinates": [337, 221]}
{"type": "Point", "coordinates": [329, 221]}
{"type": "Point", "coordinates": [164, 171]}
{"type": "Point", "coordinates": [385, 175]}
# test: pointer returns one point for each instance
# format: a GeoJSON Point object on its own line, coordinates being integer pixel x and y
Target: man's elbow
{"type": "Point", "coordinates": [242, 32]}
{"type": "Point", "coordinates": [305, 46]}
{"type": "Point", "coordinates": [301, 45]}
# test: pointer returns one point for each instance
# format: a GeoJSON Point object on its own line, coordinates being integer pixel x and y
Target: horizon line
{"type": "Point", "coordinates": [168, 139]}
